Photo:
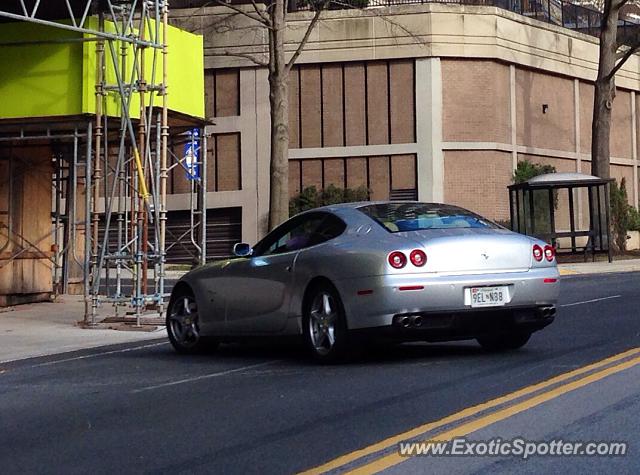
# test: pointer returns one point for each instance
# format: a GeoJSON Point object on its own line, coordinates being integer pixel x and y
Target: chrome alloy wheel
{"type": "Point", "coordinates": [323, 317]}
{"type": "Point", "coordinates": [183, 320]}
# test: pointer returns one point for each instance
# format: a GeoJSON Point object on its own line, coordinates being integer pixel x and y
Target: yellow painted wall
{"type": "Point", "coordinates": [39, 80]}
{"type": "Point", "coordinates": [186, 72]}
{"type": "Point", "coordinates": [59, 79]}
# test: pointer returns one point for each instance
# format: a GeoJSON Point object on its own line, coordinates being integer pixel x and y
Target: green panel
{"type": "Point", "coordinates": [59, 79]}
{"type": "Point", "coordinates": [39, 80]}
{"type": "Point", "coordinates": [185, 71]}
{"type": "Point", "coordinates": [113, 107]}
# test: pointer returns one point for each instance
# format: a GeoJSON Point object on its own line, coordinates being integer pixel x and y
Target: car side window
{"type": "Point", "coordinates": [330, 227]}
{"type": "Point", "coordinates": [292, 236]}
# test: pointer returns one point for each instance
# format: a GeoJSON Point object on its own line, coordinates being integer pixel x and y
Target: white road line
{"type": "Point", "coordinates": [205, 376]}
{"type": "Point", "coordinates": [591, 301]}
{"type": "Point", "coordinates": [95, 355]}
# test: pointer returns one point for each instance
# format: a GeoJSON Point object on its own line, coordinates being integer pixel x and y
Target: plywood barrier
{"type": "Point", "coordinates": [25, 224]}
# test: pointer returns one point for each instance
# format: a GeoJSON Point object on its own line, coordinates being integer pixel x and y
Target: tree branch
{"type": "Point", "coordinates": [250, 57]}
{"type": "Point", "coordinates": [323, 6]}
{"type": "Point", "coordinates": [611, 6]}
{"type": "Point", "coordinates": [260, 19]}
{"type": "Point", "coordinates": [623, 57]}
{"type": "Point", "coordinates": [261, 13]}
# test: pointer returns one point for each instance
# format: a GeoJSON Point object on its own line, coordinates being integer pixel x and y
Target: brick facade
{"type": "Point", "coordinates": [371, 107]}
{"type": "Point", "coordinates": [475, 96]}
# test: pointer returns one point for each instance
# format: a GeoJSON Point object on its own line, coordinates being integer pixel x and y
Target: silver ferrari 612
{"type": "Point", "coordinates": [403, 270]}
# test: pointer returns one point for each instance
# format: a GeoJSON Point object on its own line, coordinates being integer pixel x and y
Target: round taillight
{"type": "Point", "coordinates": [397, 260]}
{"type": "Point", "coordinates": [418, 258]}
{"type": "Point", "coordinates": [537, 252]}
{"type": "Point", "coordinates": [549, 253]}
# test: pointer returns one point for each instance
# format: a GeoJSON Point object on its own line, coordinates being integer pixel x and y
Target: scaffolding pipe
{"type": "Point", "coordinates": [57, 190]}
{"type": "Point", "coordinates": [194, 196]}
{"type": "Point", "coordinates": [203, 199]}
{"type": "Point", "coordinates": [158, 167]}
{"type": "Point", "coordinates": [163, 158]}
{"type": "Point", "coordinates": [100, 34]}
{"type": "Point", "coordinates": [74, 193]}
{"type": "Point", "coordinates": [97, 172]}
{"type": "Point", "coordinates": [126, 168]}
{"type": "Point", "coordinates": [87, 214]}
{"type": "Point", "coordinates": [142, 141]}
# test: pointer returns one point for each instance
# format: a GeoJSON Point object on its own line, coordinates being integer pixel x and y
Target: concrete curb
{"type": "Point", "coordinates": [586, 268]}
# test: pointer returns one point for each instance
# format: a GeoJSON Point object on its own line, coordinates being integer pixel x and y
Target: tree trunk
{"type": "Point", "coordinates": [279, 196]}
{"type": "Point", "coordinates": [605, 92]}
{"type": "Point", "coordinates": [279, 102]}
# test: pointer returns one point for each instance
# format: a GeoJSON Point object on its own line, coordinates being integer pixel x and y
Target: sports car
{"type": "Point", "coordinates": [400, 270]}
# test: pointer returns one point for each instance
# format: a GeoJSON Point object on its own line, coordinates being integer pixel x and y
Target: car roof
{"type": "Point", "coordinates": [359, 204]}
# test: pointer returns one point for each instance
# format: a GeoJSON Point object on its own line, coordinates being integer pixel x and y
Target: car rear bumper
{"type": "Point", "coordinates": [465, 325]}
{"type": "Point", "coordinates": [469, 324]}
{"type": "Point", "coordinates": [372, 302]}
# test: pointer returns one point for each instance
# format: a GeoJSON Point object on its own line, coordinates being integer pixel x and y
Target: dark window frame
{"type": "Point", "coordinates": [261, 248]}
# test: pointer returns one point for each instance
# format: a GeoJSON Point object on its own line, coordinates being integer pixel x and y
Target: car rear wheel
{"type": "Point", "coordinates": [324, 325]}
{"type": "Point", "coordinates": [504, 341]}
{"type": "Point", "coordinates": [183, 324]}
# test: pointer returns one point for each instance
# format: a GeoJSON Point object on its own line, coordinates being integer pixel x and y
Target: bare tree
{"type": "Point", "coordinates": [616, 47]}
{"type": "Point", "coordinates": [272, 16]}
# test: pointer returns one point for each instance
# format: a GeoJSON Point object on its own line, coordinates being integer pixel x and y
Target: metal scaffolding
{"type": "Point", "coordinates": [120, 162]}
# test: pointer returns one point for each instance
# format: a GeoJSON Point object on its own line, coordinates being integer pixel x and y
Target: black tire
{"type": "Point", "coordinates": [324, 325]}
{"type": "Point", "coordinates": [183, 324]}
{"type": "Point", "coordinates": [504, 341]}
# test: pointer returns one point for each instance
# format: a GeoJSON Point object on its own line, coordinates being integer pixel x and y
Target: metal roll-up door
{"type": "Point", "coordinates": [224, 229]}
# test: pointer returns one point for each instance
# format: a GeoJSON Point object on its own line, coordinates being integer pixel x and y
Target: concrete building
{"type": "Point", "coordinates": [434, 101]}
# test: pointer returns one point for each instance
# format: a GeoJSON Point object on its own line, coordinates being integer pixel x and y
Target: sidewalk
{"type": "Point", "coordinates": [629, 265]}
{"type": "Point", "coordinates": [32, 330]}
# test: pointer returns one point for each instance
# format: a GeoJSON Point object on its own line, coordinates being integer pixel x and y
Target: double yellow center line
{"type": "Point", "coordinates": [555, 387]}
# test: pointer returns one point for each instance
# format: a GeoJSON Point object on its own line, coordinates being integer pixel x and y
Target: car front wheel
{"type": "Point", "coordinates": [183, 324]}
{"type": "Point", "coordinates": [324, 325]}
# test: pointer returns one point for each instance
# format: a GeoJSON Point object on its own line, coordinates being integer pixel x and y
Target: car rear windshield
{"type": "Point", "coordinates": [399, 217]}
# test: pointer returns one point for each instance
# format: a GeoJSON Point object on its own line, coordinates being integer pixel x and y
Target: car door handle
{"type": "Point", "coordinates": [288, 268]}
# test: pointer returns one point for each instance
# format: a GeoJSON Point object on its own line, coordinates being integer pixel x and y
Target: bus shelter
{"type": "Point", "coordinates": [568, 210]}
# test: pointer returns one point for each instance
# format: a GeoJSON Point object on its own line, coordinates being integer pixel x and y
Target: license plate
{"type": "Point", "coordinates": [489, 296]}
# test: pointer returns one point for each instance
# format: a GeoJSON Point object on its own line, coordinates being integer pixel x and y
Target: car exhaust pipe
{"type": "Point", "coordinates": [548, 312]}
{"type": "Point", "coordinates": [405, 322]}
{"type": "Point", "coordinates": [416, 321]}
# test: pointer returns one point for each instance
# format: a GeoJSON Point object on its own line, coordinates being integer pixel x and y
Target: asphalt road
{"type": "Point", "coordinates": [267, 409]}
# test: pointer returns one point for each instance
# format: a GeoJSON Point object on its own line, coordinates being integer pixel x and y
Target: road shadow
{"type": "Point", "coordinates": [295, 354]}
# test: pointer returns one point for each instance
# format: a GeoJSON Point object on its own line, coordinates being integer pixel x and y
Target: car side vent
{"type": "Point", "coordinates": [410, 194]}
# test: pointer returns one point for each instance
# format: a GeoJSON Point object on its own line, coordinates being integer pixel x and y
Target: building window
{"type": "Point", "coordinates": [225, 164]}
{"type": "Point", "coordinates": [385, 177]}
{"type": "Point", "coordinates": [222, 92]}
{"type": "Point", "coordinates": [355, 103]}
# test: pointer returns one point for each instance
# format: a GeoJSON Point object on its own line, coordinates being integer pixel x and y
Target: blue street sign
{"type": "Point", "coordinates": [191, 155]}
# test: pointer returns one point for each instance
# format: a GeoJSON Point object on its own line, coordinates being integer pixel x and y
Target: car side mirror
{"type": "Point", "coordinates": [242, 249]}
